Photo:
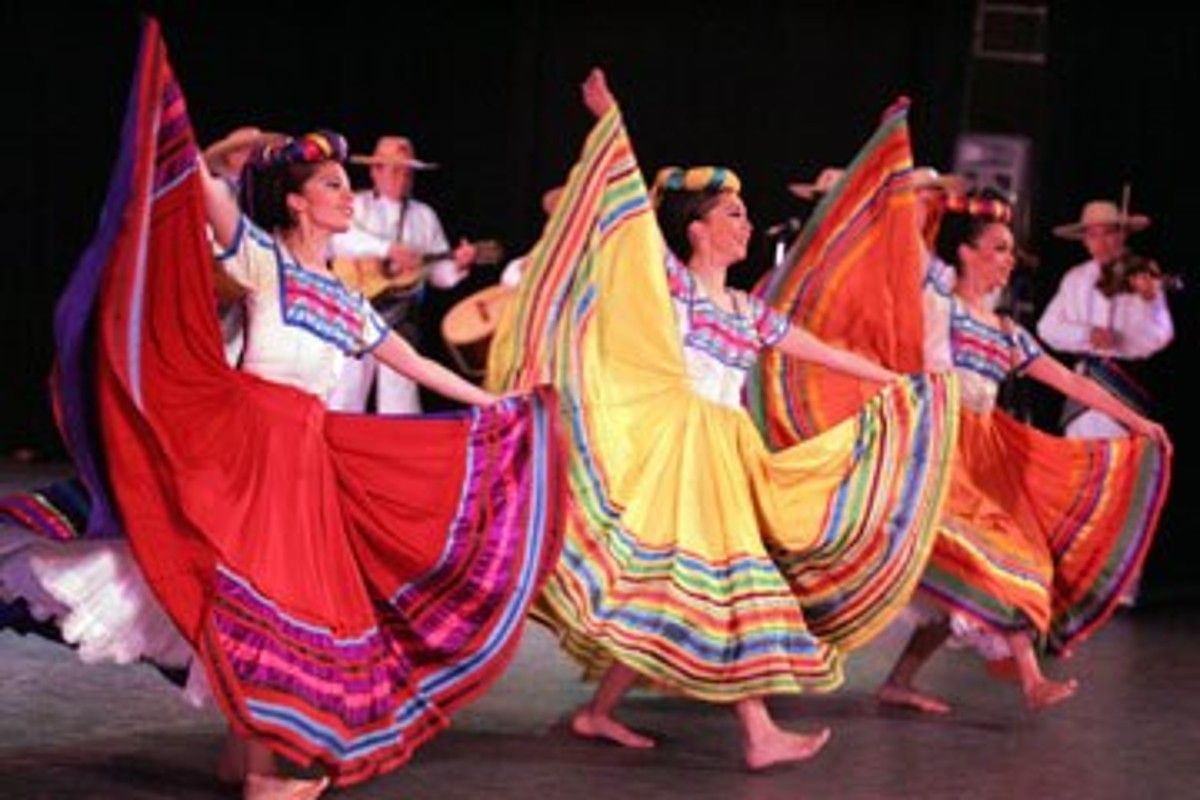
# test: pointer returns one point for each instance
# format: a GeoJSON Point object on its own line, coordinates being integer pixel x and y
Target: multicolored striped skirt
{"type": "Point", "coordinates": [693, 554]}
{"type": "Point", "coordinates": [346, 581]}
{"type": "Point", "coordinates": [1042, 532]}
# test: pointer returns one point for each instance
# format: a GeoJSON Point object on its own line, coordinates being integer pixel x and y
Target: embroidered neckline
{"type": "Point", "coordinates": [960, 311]}
{"type": "Point", "coordinates": [334, 315]}
{"type": "Point", "coordinates": [730, 337]}
{"type": "Point", "coordinates": [287, 261]}
{"type": "Point", "coordinates": [985, 349]}
{"type": "Point", "coordinates": [698, 296]}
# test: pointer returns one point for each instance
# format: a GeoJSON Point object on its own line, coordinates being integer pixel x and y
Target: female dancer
{"type": "Point", "coordinates": [1004, 563]}
{"type": "Point", "coordinates": [346, 582]}
{"type": "Point", "coordinates": [696, 560]}
{"type": "Point", "coordinates": [1038, 534]}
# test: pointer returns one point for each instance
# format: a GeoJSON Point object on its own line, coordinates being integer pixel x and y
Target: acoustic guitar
{"type": "Point", "coordinates": [375, 276]}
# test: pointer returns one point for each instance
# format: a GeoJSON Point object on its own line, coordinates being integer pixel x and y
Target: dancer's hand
{"type": "Point", "coordinates": [501, 397]}
{"type": "Point", "coordinates": [1152, 429]}
{"type": "Point", "coordinates": [596, 95]}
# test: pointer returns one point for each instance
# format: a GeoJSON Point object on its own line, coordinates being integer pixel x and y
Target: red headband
{"type": "Point", "coordinates": [991, 208]}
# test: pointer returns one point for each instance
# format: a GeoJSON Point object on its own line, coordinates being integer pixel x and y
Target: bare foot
{"type": "Point", "coordinates": [590, 725]}
{"type": "Point", "coordinates": [272, 787]}
{"type": "Point", "coordinates": [782, 747]}
{"type": "Point", "coordinates": [231, 767]}
{"type": "Point", "coordinates": [892, 694]}
{"type": "Point", "coordinates": [1047, 693]}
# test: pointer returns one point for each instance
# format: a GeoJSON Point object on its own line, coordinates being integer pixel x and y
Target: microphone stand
{"type": "Point", "coordinates": [778, 233]}
{"type": "Point", "coordinates": [780, 251]}
{"type": "Point", "coordinates": [1126, 190]}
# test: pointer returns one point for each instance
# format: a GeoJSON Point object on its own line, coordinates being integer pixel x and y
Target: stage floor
{"type": "Point", "coordinates": [78, 731]}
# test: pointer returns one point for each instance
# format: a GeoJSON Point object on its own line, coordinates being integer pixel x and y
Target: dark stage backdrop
{"type": "Point", "coordinates": [775, 90]}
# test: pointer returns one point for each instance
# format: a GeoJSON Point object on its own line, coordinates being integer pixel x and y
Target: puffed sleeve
{"type": "Point", "coordinates": [769, 325]}
{"type": "Point", "coordinates": [248, 257]}
{"type": "Point", "coordinates": [1025, 348]}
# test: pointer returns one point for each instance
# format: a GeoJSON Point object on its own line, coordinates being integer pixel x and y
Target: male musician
{"type": "Point", "coordinates": [1106, 312]}
{"type": "Point", "coordinates": [391, 225]}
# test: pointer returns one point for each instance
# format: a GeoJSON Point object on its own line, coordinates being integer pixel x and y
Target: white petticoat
{"type": "Point", "coordinates": [965, 632]}
{"type": "Point", "coordinates": [95, 594]}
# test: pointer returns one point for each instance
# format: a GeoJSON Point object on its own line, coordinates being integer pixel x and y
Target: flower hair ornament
{"type": "Point", "coordinates": [263, 179]}
{"type": "Point", "coordinates": [992, 208]}
{"type": "Point", "coordinates": [695, 179]}
{"type": "Point", "coordinates": [311, 148]}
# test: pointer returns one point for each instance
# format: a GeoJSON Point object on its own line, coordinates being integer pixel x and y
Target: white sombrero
{"type": "Point", "coordinates": [930, 178]}
{"type": "Point", "coordinates": [393, 151]}
{"type": "Point", "coordinates": [1102, 213]}
{"type": "Point", "coordinates": [825, 181]}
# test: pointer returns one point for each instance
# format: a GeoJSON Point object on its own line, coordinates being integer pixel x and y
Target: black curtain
{"type": "Point", "coordinates": [1122, 83]}
{"type": "Point", "coordinates": [776, 90]}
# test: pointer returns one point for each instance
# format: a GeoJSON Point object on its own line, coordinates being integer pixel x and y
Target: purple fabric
{"type": "Point", "coordinates": [73, 379]}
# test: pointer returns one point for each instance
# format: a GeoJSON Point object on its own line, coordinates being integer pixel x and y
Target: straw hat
{"type": "Point", "coordinates": [930, 178]}
{"type": "Point", "coordinates": [825, 181]}
{"type": "Point", "coordinates": [1101, 212]}
{"type": "Point", "coordinates": [393, 151]}
{"type": "Point", "coordinates": [218, 154]}
{"type": "Point", "coordinates": [921, 177]}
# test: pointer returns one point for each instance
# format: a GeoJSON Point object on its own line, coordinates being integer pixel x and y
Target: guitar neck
{"type": "Point", "coordinates": [487, 252]}
{"type": "Point", "coordinates": [433, 258]}
{"type": "Point", "coordinates": [373, 276]}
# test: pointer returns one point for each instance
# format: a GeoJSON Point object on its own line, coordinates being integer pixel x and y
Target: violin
{"type": "Point", "coordinates": [1116, 276]}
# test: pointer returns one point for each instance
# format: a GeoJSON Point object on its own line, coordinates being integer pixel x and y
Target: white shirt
{"type": "Point", "coordinates": [300, 325]}
{"type": "Point", "coordinates": [720, 346]}
{"type": "Point", "coordinates": [376, 227]}
{"type": "Point", "coordinates": [1143, 327]}
{"type": "Point", "coordinates": [511, 276]}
